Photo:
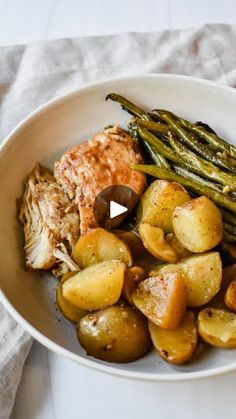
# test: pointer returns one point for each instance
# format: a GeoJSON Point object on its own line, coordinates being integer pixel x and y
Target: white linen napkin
{"type": "Point", "coordinates": [31, 75]}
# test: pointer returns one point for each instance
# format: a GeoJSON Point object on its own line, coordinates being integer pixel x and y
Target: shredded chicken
{"type": "Point", "coordinates": [51, 222]}
{"type": "Point", "coordinates": [87, 169]}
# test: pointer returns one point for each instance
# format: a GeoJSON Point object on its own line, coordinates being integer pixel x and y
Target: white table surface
{"type": "Point", "coordinates": [53, 387]}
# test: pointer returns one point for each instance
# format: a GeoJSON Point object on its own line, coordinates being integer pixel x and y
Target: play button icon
{"type": "Point", "coordinates": [116, 209]}
{"type": "Point", "coordinates": [113, 204]}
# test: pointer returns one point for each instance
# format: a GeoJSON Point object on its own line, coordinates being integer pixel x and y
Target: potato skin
{"type": "Point", "coordinates": [202, 275]}
{"type": "Point", "coordinates": [230, 296]}
{"type": "Point", "coordinates": [154, 241]}
{"type": "Point", "coordinates": [96, 287]}
{"type": "Point", "coordinates": [198, 224]}
{"type": "Point", "coordinates": [217, 327]}
{"type": "Point", "coordinates": [158, 203]}
{"type": "Point", "coordinates": [176, 346]}
{"type": "Point", "coordinates": [69, 311]}
{"type": "Point", "coordinates": [162, 299]}
{"type": "Point", "coordinates": [133, 276]}
{"type": "Point", "coordinates": [116, 334]}
{"type": "Point", "coordinates": [99, 245]}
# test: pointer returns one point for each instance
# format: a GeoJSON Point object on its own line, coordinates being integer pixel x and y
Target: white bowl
{"type": "Point", "coordinates": [43, 137]}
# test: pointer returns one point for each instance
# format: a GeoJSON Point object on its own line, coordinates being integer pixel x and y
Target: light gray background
{"type": "Point", "coordinates": [53, 387]}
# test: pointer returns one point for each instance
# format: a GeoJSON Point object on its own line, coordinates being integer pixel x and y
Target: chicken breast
{"type": "Point", "coordinates": [51, 222]}
{"type": "Point", "coordinates": [87, 169]}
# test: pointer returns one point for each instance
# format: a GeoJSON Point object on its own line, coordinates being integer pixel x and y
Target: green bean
{"type": "Point", "coordinates": [212, 139]}
{"type": "Point", "coordinates": [228, 217]}
{"type": "Point", "coordinates": [128, 105]}
{"type": "Point", "coordinates": [193, 186]}
{"type": "Point", "coordinates": [202, 167]}
{"type": "Point", "coordinates": [184, 172]}
{"type": "Point", "coordinates": [136, 111]}
{"type": "Point", "coordinates": [193, 164]}
{"type": "Point", "coordinates": [229, 237]}
{"type": "Point", "coordinates": [158, 146]}
{"type": "Point", "coordinates": [229, 228]}
{"type": "Point", "coordinates": [153, 126]}
{"type": "Point", "coordinates": [157, 158]}
{"type": "Point", "coordinates": [195, 145]}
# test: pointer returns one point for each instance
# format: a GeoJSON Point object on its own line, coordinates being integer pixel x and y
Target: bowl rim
{"type": "Point", "coordinates": [47, 342]}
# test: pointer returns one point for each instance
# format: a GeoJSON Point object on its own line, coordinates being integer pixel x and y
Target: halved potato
{"type": "Point", "coordinates": [198, 224]}
{"type": "Point", "coordinates": [98, 245]}
{"type": "Point", "coordinates": [158, 203]}
{"type": "Point", "coordinates": [202, 275]}
{"type": "Point", "coordinates": [154, 241]}
{"type": "Point", "coordinates": [133, 276]}
{"type": "Point", "coordinates": [217, 327]}
{"type": "Point", "coordinates": [133, 241]}
{"type": "Point", "coordinates": [176, 346]}
{"type": "Point", "coordinates": [230, 296]}
{"type": "Point", "coordinates": [228, 275]}
{"type": "Point", "coordinates": [96, 287]}
{"type": "Point", "coordinates": [70, 311]}
{"type": "Point", "coordinates": [162, 299]}
{"type": "Point", "coordinates": [116, 334]}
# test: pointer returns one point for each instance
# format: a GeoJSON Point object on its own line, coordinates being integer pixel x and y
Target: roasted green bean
{"type": "Point", "coordinates": [190, 140]}
{"type": "Point", "coordinates": [229, 237]}
{"type": "Point", "coordinates": [128, 105]}
{"type": "Point", "coordinates": [152, 126]}
{"type": "Point", "coordinates": [184, 172]}
{"type": "Point", "coordinates": [230, 228]}
{"type": "Point", "coordinates": [216, 142]}
{"type": "Point", "coordinates": [202, 167]}
{"type": "Point", "coordinates": [228, 217]}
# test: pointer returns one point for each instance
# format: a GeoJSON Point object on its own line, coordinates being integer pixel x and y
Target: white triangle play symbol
{"type": "Point", "coordinates": [116, 209]}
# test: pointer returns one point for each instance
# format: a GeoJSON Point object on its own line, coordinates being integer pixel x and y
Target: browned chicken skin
{"type": "Point", "coordinates": [90, 167]}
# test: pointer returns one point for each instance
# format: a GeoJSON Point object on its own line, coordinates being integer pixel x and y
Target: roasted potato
{"type": "Point", "coordinates": [176, 346]}
{"type": "Point", "coordinates": [230, 296]}
{"type": "Point", "coordinates": [162, 299]}
{"type": "Point", "coordinates": [154, 241]}
{"type": "Point", "coordinates": [202, 275]}
{"type": "Point", "coordinates": [70, 311]}
{"type": "Point", "coordinates": [198, 224]}
{"type": "Point", "coordinates": [98, 245]}
{"type": "Point", "coordinates": [133, 241]}
{"type": "Point", "coordinates": [96, 287]}
{"type": "Point", "coordinates": [228, 275]}
{"type": "Point", "coordinates": [133, 276]}
{"type": "Point", "coordinates": [158, 203]}
{"type": "Point", "coordinates": [116, 334]}
{"type": "Point", "coordinates": [217, 327]}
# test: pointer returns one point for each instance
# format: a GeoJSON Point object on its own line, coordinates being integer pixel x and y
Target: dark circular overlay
{"type": "Point", "coordinates": [120, 194]}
